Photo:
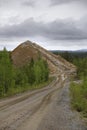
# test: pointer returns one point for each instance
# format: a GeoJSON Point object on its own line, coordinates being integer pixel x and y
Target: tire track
{"type": "Point", "coordinates": [21, 99]}
{"type": "Point", "coordinates": [12, 122]}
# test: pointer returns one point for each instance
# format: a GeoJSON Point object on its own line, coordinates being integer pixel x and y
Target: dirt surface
{"type": "Point", "coordinates": [44, 109]}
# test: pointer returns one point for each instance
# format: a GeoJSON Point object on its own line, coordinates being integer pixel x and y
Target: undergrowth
{"type": "Point", "coordinates": [79, 96]}
{"type": "Point", "coordinates": [27, 87]}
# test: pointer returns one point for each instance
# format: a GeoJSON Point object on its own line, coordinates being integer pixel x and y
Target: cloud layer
{"type": "Point", "coordinates": [49, 20]}
{"type": "Point", "coordinates": [56, 30]}
{"type": "Point", "coordinates": [58, 2]}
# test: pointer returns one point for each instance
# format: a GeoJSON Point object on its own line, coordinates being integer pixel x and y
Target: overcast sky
{"type": "Point", "coordinates": [53, 24]}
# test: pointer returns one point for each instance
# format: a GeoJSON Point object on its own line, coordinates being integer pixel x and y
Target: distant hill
{"type": "Point", "coordinates": [27, 50]}
{"type": "Point", "coordinates": [82, 50]}
{"type": "Point", "coordinates": [78, 53]}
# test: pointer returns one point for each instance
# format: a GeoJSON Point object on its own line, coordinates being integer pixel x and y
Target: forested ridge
{"type": "Point", "coordinates": [77, 58]}
{"type": "Point", "coordinates": [14, 80]}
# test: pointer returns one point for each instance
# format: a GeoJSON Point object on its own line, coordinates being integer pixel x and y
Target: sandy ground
{"type": "Point", "coordinates": [44, 109]}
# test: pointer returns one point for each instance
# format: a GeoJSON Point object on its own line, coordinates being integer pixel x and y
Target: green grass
{"type": "Point", "coordinates": [79, 96]}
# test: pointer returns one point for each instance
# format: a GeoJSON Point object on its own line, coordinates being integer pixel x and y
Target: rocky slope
{"type": "Point", "coordinates": [27, 50]}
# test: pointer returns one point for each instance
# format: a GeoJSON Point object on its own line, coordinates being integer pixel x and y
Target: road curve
{"type": "Point", "coordinates": [44, 109]}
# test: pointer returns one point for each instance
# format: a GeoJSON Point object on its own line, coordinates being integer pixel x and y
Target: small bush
{"type": "Point", "coordinates": [79, 96]}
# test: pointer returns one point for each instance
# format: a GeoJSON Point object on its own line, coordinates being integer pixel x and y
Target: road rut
{"type": "Point", "coordinates": [44, 109]}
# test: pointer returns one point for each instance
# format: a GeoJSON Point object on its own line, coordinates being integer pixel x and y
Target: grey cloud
{"type": "Point", "coordinates": [9, 4]}
{"type": "Point", "coordinates": [54, 2]}
{"type": "Point", "coordinates": [3, 2]}
{"type": "Point", "coordinates": [58, 2]}
{"type": "Point", "coordinates": [56, 30]}
{"type": "Point", "coordinates": [26, 28]}
{"type": "Point", "coordinates": [30, 3]}
{"type": "Point", "coordinates": [66, 31]}
{"type": "Point", "coordinates": [17, 2]}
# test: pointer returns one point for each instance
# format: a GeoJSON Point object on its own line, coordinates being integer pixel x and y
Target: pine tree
{"type": "Point", "coordinates": [6, 72]}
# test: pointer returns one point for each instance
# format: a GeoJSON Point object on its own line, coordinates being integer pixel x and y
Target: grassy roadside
{"type": "Point", "coordinates": [79, 96]}
{"type": "Point", "coordinates": [21, 89]}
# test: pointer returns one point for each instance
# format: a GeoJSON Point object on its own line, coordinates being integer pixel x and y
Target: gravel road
{"type": "Point", "coordinates": [44, 109]}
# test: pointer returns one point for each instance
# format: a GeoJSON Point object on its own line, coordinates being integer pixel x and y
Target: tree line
{"type": "Point", "coordinates": [77, 58]}
{"type": "Point", "coordinates": [12, 78]}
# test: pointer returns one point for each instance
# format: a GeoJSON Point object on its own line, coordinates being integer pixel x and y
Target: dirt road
{"type": "Point", "coordinates": [44, 109]}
